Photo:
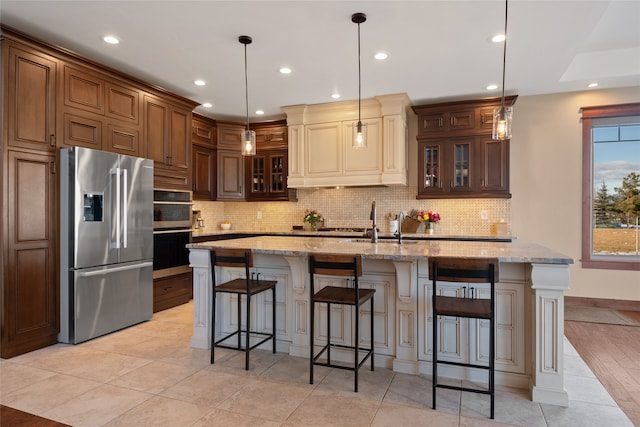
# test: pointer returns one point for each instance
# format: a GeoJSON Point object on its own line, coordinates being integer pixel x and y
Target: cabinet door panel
{"type": "Point", "coordinates": [180, 138]}
{"type": "Point", "coordinates": [81, 131]}
{"type": "Point", "coordinates": [204, 173]}
{"type": "Point", "coordinates": [32, 97]}
{"type": "Point", "coordinates": [155, 130]}
{"type": "Point", "coordinates": [83, 90]}
{"type": "Point", "coordinates": [323, 149]}
{"type": "Point", "coordinates": [123, 103]}
{"type": "Point", "coordinates": [359, 161]}
{"type": "Point", "coordinates": [230, 175]}
{"type": "Point", "coordinates": [495, 165]}
{"type": "Point", "coordinates": [123, 139]}
{"type": "Point", "coordinates": [30, 299]}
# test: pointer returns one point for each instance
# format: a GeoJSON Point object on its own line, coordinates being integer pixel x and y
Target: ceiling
{"type": "Point", "coordinates": [438, 50]}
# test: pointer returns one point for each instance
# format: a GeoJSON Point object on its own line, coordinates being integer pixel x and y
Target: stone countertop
{"type": "Point", "coordinates": [390, 250]}
{"type": "Point", "coordinates": [352, 234]}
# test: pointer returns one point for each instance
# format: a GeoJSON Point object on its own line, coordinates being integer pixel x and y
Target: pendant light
{"type": "Point", "coordinates": [248, 136]}
{"type": "Point", "coordinates": [359, 129]}
{"type": "Point", "coordinates": [502, 116]}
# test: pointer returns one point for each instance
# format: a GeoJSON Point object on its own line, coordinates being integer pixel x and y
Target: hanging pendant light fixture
{"type": "Point", "coordinates": [248, 136]}
{"type": "Point", "coordinates": [359, 129]}
{"type": "Point", "coordinates": [502, 116]}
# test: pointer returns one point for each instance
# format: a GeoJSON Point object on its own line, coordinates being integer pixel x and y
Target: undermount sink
{"type": "Point", "coordinates": [394, 241]}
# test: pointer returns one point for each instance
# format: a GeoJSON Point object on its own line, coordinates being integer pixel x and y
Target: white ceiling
{"type": "Point", "coordinates": [438, 50]}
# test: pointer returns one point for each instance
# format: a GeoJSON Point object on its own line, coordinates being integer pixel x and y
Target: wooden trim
{"type": "Point", "coordinates": [616, 304]}
{"type": "Point", "coordinates": [620, 110]}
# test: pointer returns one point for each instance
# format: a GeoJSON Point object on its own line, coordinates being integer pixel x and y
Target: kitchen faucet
{"type": "Point", "coordinates": [398, 232]}
{"type": "Point", "coordinates": [374, 228]}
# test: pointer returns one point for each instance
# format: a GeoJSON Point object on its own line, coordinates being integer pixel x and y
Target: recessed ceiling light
{"type": "Point", "coordinates": [492, 87]}
{"type": "Point", "coordinates": [199, 82]}
{"type": "Point", "coordinates": [207, 105]}
{"type": "Point", "coordinates": [380, 56]}
{"type": "Point", "coordinates": [594, 84]}
{"type": "Point", "coordinates": [335, 95]}
{"type": "Point", "coordinates": [111, 39]}
{"type": "Point", "coordinates": [498, 38]}
{"type": "Point", "coordinates": [285, 70]}
{"type": "Point", "coordinates": [259, 112]}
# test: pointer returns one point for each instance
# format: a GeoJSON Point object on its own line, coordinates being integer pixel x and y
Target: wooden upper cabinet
{"type": "Point", "coordinates": [456, 155]}
{"type": "Point", "coordinates": [444, 121]}
{"type": "Point", "coordinates": [168, 141]}
{"type": "Point", "coordinates": [271, 135]}
{"type": "Point", "coordinates": [31, 98]}
{"type": "Point", "coordinates": [98, 112]}
{"type": "Point", "coordinates": [204, 165]}
{"type": "Point", "coordinates": [230, 136]}
{"type": "Point", "coordinates": [203, 131]}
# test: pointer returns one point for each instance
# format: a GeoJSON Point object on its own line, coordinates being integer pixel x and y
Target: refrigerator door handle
{"type": "Point", "coordinates": [116, 172]}
{"type": "Point", "coordinates": [125, 208]}
{"type": "Point", "coordinates": [115, 269]}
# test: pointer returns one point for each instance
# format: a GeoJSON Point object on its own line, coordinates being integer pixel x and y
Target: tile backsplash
{"type": "Point", "coordinates": [350, 207]}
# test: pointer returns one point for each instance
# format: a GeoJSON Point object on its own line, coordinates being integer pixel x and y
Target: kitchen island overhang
{"type": "Point", "coordinates": [530, 305]}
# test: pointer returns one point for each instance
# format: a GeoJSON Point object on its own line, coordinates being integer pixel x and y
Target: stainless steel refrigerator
{"type": "Point", "coordinates": [106, 242]}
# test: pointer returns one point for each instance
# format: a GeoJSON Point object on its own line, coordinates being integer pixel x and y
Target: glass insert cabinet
{"type": "Point", "coordinates": [457, 158]}
{"type": "Point", "coordinates": [446, 166]}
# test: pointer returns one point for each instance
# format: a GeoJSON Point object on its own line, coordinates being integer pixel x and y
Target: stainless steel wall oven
{"type": "Point", "coordinates": [172, 219]}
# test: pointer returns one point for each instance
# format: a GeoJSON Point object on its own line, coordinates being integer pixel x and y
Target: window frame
{"type": "Point", "coordinates": [589, 260]}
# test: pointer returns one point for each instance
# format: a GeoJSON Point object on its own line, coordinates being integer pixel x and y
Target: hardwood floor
{"type": "Point", "coordinates": [613, 354]}
{"type": "Point", "coordinates": [10, 417]}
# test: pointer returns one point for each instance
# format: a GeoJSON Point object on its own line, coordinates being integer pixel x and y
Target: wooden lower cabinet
{"type": "Point", "coordinates": [172, 291]}
{"type": "Point", "coordinates": [30, 293]}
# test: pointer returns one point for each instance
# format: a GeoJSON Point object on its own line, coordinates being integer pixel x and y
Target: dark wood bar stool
{"type": "Point", "coordinates": [350, 267]}
{"type": "Point", "coordinates": [247, 286]}
{"type": "Point", "coordinates": [466, 270]}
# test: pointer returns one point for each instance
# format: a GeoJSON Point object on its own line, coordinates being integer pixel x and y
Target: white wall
{"type": "Point", "coordinates": [546, 183]}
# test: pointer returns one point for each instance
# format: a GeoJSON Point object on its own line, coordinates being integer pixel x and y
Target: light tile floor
{"type": "Point", "coordinates": [147, 375]}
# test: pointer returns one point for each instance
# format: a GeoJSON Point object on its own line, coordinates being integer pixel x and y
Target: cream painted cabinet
{"type": "Point", "coordinates": [227, 311]}
{"type": "Point", "coordinates": [329, 153]}
{"type": "Point", "coordinates": [320, 143]}
{"type": "Point", "coordinates": [342, 324]}
{"type": "Point", "coordinates": [467, 340]}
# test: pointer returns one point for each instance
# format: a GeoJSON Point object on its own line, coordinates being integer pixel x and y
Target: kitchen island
{"type": "Point", "coordinates": [529, 304]}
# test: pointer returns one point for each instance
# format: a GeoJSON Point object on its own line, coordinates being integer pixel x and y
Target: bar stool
{"type": "Point", "coordinates": [349, 266]}
{"type": "Point", "coordinates": [247, 286]}
{"type": "Point", "coordinates": [469, 270]}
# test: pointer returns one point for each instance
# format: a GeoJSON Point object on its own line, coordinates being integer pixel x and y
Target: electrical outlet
{"type": "Point", "coordinates": [484, 215]}
{"type": "Point", "coordinates": [259, 214]}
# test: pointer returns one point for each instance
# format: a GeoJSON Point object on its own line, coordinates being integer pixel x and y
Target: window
{"type": "Point", "coordinates": [611, 187]}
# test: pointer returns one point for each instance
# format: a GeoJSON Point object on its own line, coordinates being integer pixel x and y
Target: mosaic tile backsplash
{"type": "Point", "coordinates": [350, 207]}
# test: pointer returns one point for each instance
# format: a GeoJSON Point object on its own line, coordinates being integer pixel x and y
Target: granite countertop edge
{"type": "Point", "coordinates": [513, 252]}
{"type": "Point", "coordinates": [353, 234]}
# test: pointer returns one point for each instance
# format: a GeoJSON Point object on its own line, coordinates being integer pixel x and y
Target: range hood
{"type": "Point", "coordinates": [320, 149]}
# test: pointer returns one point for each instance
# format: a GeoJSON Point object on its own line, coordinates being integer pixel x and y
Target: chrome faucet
{"type": "Point", "coordinates": [374, 228]}
{"type": "Point", "coordinates": [398, 232]}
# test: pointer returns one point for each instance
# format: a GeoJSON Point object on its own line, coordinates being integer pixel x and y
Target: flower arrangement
{"type": "Point", "coordinates": [428, 216]}
{"type": "Point", "coordinates": [313, 217]}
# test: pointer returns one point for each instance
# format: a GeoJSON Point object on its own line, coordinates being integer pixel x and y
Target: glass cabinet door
{"type": "Point", "coordinates": [462, 164]}
{"type": "Point", "coordinates": [432, 166]}
{"type": "Point", "coordinates": [258, 183]}
{"type": "Point", "coordinates": [277, 174]}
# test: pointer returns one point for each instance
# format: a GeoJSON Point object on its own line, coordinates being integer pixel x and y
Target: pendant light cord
{"type": "Point", "coordinates": [359, 77]}
{"type": "Point", "coordinates": [246, 85]}
{"type": "Point", "coordinates": [504, 52]}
